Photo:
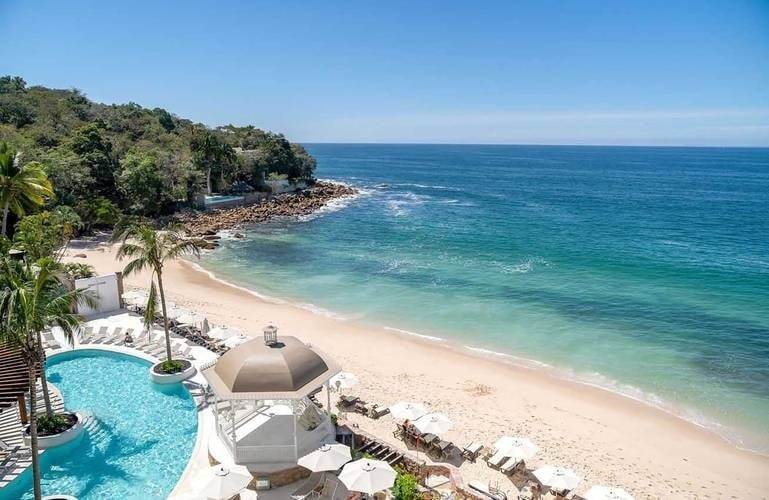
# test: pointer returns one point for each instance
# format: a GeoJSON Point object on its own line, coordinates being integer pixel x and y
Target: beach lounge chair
{"type": "Point", "coordinates": [49, 342]}
{"type": "Point", "coordinates": [375, 411]}
{"type": "Point", "coordinates": [441, 448]}
{"type": "Point", "coordinates": [85, 333]}
{"type": "Point", "coordinates": [472, 450]}
{"type": "Point", "coordinates": [510, 465]}
{"type": "Point", "coordinates": [495, 461]}
{"type": "Point", "coordinates": [107, 338]}
{"type": "Point", "coordinates": [312, 486]}
{"type": "Point", "coordinates": [101, 333]}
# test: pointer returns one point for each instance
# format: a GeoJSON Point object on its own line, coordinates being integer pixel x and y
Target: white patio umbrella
{"type": "Point", "coordinates": [236, 340]}
{"type": "Point", "coordinates": [223, 482]}
{"type": "Point", "coordinates": [343, 380]}
{"type": "Point", "coordinates": [433, 423]}
{"type": "Point", "coordinates": [606, 493]}
{"type": "Point", "coordinates": [326, 458]}
{"type": "Point", "coordinates": [189, 319]}
{"type": "Point", "coordinates": [222, 333]}
{"type": "Point", "coordinates": [404, 410]}
{"type": "Point", "coordinates": [367, 476]}
{"type": "Point", "coordinates": [516, 447]}
{"type": "Point", "coordinates": [557, 478]}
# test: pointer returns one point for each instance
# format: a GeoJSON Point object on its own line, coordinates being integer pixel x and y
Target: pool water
{"type": "Point", "coordinates": [138, 435]}
{"type": "Point", "coordinates": [220, 198]}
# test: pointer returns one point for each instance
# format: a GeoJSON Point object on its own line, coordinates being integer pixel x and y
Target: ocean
{"type": "Point", "coordinates": [638, 269]}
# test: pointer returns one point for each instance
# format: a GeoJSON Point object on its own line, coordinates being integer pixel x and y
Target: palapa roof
{"type": "Point", "coordinates": [289, 369]}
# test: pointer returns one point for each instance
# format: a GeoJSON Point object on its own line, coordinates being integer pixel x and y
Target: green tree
{"type": "Point", "coordinates": [149, 249]}
{"type": "Point", "coordinates": [47, 233]}
{"type": "Point", "coordinates": [405, 487]}
{"type": "Point", "coordinates": [213, 156]}
{"type": "Point", "coordinates": [95, 152]}
{"type": "Point", "coordinates": [143, 184]}
{"type": "Point", "coordinates": [97, 212]}
{"type": "Point", "coordinates": [21, 187]}
{"type": "Point", "coordinates": [33, 297]}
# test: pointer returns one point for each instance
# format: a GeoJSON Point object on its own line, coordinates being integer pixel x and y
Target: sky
{"type": "Point", "coordinates": [512, 72]}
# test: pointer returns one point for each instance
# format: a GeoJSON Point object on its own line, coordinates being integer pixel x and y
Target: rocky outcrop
{"type": "Point", "coordinates": [207, 224]}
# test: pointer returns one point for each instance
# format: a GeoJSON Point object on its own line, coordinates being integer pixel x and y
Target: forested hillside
{"type": "Point", "coordinates": [106, 159]}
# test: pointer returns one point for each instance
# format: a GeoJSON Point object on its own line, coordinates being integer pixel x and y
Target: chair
{"type": "Point", "coordinates": [107, 338]}
{"type": "Point", "coordinates": [510, 466]}
{"type": "Point", "coordinates": [472, 450]}
{"type": "Point", "coordinates": [311, 486]}
{"type": "Point", "coordinates": [495, 461]}
{"type": "Point", "coordinates": [85, 334]}
{"type": "Point", "coordinates": [49, 342]}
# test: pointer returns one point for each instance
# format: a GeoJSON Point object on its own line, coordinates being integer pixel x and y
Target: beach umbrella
{"type": "Point", "coordinates": [223, 482]}
{"type": "Point", "coordinates": [557, 478]}
{"type": "Point", "coordinates": [189, 318]}
{"type": "Point", "coordinates": [343, 380]}
{"type": "Point", "coordinates": [205, 327]}
{"type": "Point", "coordinates": [606, 493]}
{"type": "Point", "coordinates": [404, 410]}
{"type": "Point", "coordinates": [235, 341]}
{"type": "Point", "coordinates": [433, 423]}
{"type": "Point", "coordinates": [326, 458]}
{"type": "Point", "coordinates": [368, 476]}
{"type": "Point", "coordinates": [222, 333]}
{"type": "Point", "coordinates": [516, 447]}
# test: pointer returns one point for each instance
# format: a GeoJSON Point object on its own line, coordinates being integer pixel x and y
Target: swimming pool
{"type": "Point", "coordinates": [139, 435]}
{"type": "Point", "coordinates": [220, 198]}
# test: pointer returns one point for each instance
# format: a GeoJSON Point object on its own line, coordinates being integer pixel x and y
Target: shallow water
{"type": "Point", "coordinates": [644, 270]}
{"type": "Point", "coordinates": [138, 436]}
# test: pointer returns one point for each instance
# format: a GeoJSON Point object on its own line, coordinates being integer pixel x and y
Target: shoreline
{"type": "Point", "coordinates": [519, 362]}
{"type": "Point", "coordinates": [606, 437]}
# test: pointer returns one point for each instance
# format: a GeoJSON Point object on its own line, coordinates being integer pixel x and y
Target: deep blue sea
{"type": "Point", "coordinates": [643, 270]}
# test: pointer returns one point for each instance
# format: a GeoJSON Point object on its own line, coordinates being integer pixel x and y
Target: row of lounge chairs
{"type": "Point", "coordinates": [429, 443]}
{"type": "Point", "coordinates": [10, 456]}
{"type": "Point", "coordinates": [144, 343]}
{"type": "Point", "coordinates": [357, 405]}
{"type": "Point", "coordinates": [191, 333]}
{"type": "Point", "coordinates": [381, 451]}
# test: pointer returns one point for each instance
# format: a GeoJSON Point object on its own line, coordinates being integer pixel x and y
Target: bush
{"type": "Point", "coordinates": [172, 366]}
{"type": "Point", "coordinates": [54, 424]}
{"type": "Point", "coordinates": [405, 487]}
{"type": "Point", "coordinates": [76, 271]}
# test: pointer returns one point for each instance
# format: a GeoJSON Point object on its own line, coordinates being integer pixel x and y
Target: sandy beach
{"type": "Point", "coordinates": [604, 437]}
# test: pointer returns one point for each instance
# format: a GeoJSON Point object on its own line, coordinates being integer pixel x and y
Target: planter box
{"type": "Point", "coordinates": [172, 378]}
{"type": "Point", "coordinates": [45, 442]}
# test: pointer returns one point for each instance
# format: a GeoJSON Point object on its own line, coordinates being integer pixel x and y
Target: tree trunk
{"type": "Point", "coordinates": [208, 183]}
{"type": "Point", "coordinates": [32, 364]}
{"type": "Point", "coordinates": [43, 381]}
{"type": "Point", "coordinates": [5, 218]}
{"type": "Point", "coordinates": [165, 315]}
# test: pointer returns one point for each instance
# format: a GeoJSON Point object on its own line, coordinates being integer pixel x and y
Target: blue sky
{"type": "Point", "coordinates": [536, 72]}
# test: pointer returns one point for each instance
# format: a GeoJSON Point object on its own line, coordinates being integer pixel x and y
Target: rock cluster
{"type": "Point", "coordinates": [207, 224]}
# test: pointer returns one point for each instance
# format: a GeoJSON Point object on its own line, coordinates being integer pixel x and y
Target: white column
{"type": "Point", "coordinates": [293, 414]}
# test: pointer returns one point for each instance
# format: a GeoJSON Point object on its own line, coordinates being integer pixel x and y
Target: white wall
{"type": "Point", "coordinates": [104, 289]}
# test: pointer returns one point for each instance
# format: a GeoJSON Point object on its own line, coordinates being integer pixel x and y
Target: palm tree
{"type": "Point", "coordinates": [31, 299]}
{"type": "Point", "coordinates": [149, 248]}
{"type": "Point", "coordinates": [21, 187]}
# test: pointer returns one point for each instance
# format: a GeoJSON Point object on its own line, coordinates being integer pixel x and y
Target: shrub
{"type": "Point", "coordinates": [54, 424]}
{"type": "Point", "coordinates": [405, 487]}
{"type": "Point", "coordinates": [76, 271]}
{"type": "Point", "coordinates": [172, 366]}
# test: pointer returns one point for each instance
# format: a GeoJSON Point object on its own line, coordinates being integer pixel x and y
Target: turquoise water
{"type": "Point", "coordinates": [139, 442]}
{"type": "Point", "coordinates": [644, 270]}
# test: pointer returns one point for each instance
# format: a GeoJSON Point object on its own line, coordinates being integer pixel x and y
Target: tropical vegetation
{"type": "Point", "coordinates": [150, 249]}
{"type": "Point", "coordinates": [104, 159]}
{"type": "Point", "coordinates": [33, 297]}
